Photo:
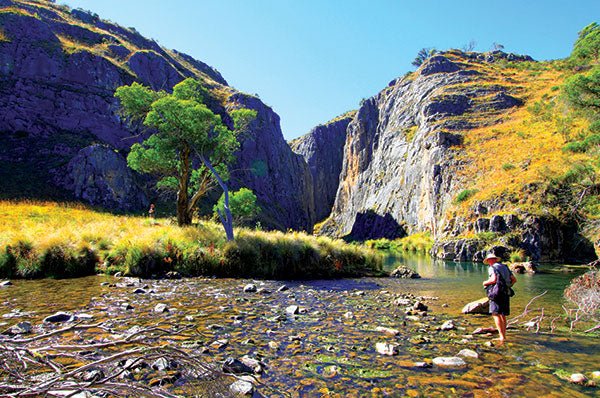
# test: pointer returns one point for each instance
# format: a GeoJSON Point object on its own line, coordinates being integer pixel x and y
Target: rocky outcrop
{"type": "Point", "coordinates": [399, 161]}
{"type": "Point", "coordinates": [59, 69]}
{"type": "Point", "coordinates": [100, 176]}
{"type": "Point", "coordinates": [265, 163]}
{"type": "Point", "coordinates": [323, 150]}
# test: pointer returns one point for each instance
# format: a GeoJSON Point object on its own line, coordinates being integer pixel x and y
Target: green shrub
{"type": "Point", "coordinates": [62, 261]}
{"type": "Point", "coordinates": [464, 195]}
{"type": "Point", "coordinates": [508, 166]}
{"type": "Point", "coordinates": [517, 256]}
{"type": "Point", "coordinates": [20, 260]}
{"type": "Point", "coordinates": [146, 262]}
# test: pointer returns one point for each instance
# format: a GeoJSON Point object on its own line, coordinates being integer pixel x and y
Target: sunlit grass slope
{"type": "Point", "coordinates": [40, 239]}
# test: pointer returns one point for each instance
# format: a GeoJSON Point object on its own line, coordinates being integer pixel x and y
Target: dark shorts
{"type": "Point", "coordinates": [500, 306]}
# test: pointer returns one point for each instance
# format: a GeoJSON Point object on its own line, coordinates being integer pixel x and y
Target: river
{"type": "Point", "coordinates": [329, 348]}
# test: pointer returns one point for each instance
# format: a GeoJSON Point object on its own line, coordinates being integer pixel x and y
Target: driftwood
{"type": "Point", "coordinates": [46, 365]}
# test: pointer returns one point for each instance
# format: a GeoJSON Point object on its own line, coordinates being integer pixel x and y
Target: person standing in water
{"type": "Point", "coordinates": [499, 307]}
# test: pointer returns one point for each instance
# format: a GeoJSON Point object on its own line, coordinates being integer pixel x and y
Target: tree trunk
{"type": "Point", "coordinates": [226, 219]}
{"type": "Point", "coordinates": [184, 216]}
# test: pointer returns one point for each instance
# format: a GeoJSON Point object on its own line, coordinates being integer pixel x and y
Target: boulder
{"type": "Point", "coordinates": [404, 273]}
{"type": "Point", "coordinates": [526, 267]}
{"type": "Point", "coordinates": [438, 64]}
{"type": "Point", "coordinates": [292, 310]}
{"type": "Point", "coordinates": [481, 306]}
{"type": "Point", "coordinates": [448, 325]}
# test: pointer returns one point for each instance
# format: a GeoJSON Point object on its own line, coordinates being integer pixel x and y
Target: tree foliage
{"type": "Point", "coordinates": [191, 147]}
{"type": "Point", "coordinates": [422, 56]}
{"type": "Point", "coordinates": [242, 204]}
{"type": "Point", "coordinates": [583, 90]}
{"type": "Point", "coordinates": [587, 46]}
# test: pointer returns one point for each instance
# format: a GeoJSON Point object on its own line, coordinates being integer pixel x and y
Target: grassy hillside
{"type": "Point", "coordinates": [530, 159]}
{"type": "Point", "coordinates": [61, 240]}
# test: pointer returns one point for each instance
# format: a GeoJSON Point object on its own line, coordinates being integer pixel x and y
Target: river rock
{"type": "Point", "coordinates": [526, 267]}
{"type": "Point", "coordinates": [92, 375]}
{"type": "Point", "coordinates": [578, 378]}
{"type": "Point", "coordinates": [162, 364]}
{"type": "Point", "coordinates": [481, 306]}
{"type": "Point", "coordinates": [20, 328]}
{"type": "Point", "coordinates": [242, 387]}
{"type": "Point", "coordinates": [252, 363]}
{"type": "Point", "coordinates": [161, 307]}
{"type": "Point", "coordinates": [467, 353]}
{"type": "Point", "coordinates": [419, 306]}
{"type": "Point", "coordinates": [448, 325]}
{"type": "Point", "coordinates": [282, 288]}
{"type": "Point", "coordinates": [404, 273]}
{"type": "Point", "coordinates": [126, 306]}
{"type": "Point", "coordinates": [59, 317]}
{"type": "Point", "coordinates": [292, 310]}
{"type": "Point", "coordinates": [391, 331]}
{"type": "Point", "coordinates": [139, 291]}
{"type": "Point", "coordinates": [235, 366]}
{"type": "Point", "coordinates": [5, 283]}
{"type": "Point", "coordinates": [386, 349]}
{"type": "Point", "coordinates": [449, 362]}
{"type": "Point", "coordinates": [422, 365]}
{"type": "Point", "coordinates": [173, 275]}
{"type": "Point", "coordinates": [250, 288]}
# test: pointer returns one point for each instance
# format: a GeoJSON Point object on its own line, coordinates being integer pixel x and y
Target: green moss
{"type": "Point", "coordinates": [464, 195]}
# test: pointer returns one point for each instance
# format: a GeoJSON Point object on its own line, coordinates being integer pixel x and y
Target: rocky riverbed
{"type": "Point", "coordinates": [345, 337]}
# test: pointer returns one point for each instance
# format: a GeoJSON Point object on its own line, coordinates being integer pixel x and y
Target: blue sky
{"type": "Point", "coordinates": [312, 60]}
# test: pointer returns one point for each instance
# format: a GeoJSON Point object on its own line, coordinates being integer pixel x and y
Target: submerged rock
{"type": "Point", "coordinates": [292, 310]}
{"type": "Point", "coordinates": [250, 288]}
{"type": "Point", "coordinates": [449, 362]}
{"type": "Point", "coordinates": [393, 332]}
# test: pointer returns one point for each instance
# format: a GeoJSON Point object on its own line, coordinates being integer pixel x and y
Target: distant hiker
{"type": "Point", "coordinates": [151, 211]}
{"type": "Point", "coordinates": [499, 275]}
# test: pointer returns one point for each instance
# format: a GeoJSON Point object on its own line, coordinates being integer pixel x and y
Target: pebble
{"type": "Point", "coordinates": [386, 349]}
{"type": "Point", "coordinates": [449, 362]}
{"type": "Point", "coordinates": [241, 387]}
{"type": "Point", "coordinates": [59, 317]}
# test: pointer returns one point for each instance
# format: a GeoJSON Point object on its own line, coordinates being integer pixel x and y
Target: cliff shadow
{"type": "Point", "coordinates": [370, 225]}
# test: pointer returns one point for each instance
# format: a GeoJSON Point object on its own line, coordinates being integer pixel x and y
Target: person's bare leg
{"type": "Point", "coordinates": [498, 322]}
{"type": "Point", "coordinates": [503, 319]}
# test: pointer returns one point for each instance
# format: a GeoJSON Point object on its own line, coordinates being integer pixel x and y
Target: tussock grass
{"type": "Point", "coordinates": [418, 243]}
{"type": "Point", "coordinates": [39, 239]}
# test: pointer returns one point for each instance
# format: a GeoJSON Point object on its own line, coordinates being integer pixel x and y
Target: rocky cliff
{"type": "Point", "coordinates": [323, 151]}
{"type": "Point", "coordinates": [412, 157]}
{"type": "Point", "coordinates": [59, 69]}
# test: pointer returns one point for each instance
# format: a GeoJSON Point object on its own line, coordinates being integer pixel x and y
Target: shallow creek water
{"type": "Point", "coordinates": [329, 348]}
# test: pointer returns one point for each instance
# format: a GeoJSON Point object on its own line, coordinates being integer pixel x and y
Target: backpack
{"type": "Point", "coordinates": [500, 288]}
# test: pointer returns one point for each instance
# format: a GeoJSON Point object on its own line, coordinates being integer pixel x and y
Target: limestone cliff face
{"type": "Point", "coordinates": [59, 69]}
{"type": "Point", "coordinates": [323, 150]}
{"type": "Point", "coordinates": [399, 168]}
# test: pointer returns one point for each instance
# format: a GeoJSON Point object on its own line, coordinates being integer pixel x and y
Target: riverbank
{"type": "Point", "coordinates": [314, 338]}
{"type": "Point", "coordinates": [44, 239]}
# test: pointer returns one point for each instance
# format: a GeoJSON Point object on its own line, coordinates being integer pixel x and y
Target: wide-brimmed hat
{"type": "Point", "coordinates": [491, 256]}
